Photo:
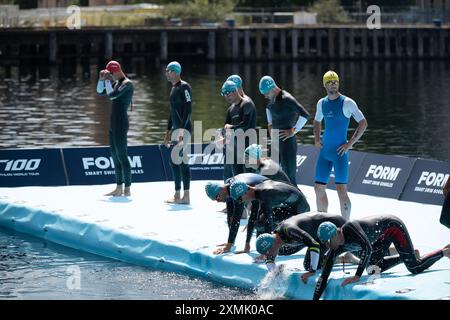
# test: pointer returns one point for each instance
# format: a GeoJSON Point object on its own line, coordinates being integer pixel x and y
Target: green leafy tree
{"type": "Point", "coordinates": [330, 11]}
{"type": "Point", "coordinates": [200, 9]}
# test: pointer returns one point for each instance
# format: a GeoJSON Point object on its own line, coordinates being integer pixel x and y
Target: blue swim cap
{"type": "Point", "coordinates": [174, 66]}
{"type": "Point", "coordinates": [212, 189]}
{"type": "Point", "coordinates": [238, 189]}
{"type": "Point", "coordinates": [266, 84]}
{"type": "Point", "coordinates": [228, 87]}
{"type": "Point", "coordinates": [264, 242]}
{"type": "Point", "coordinates": [253, 151]}
{"type": "Point", "coordinates": [236, 79]}
{"type": "Point", "coordinates": [326, 231]}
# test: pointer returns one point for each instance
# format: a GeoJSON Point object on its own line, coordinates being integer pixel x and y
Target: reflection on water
{"type": "Point", "coordinates": [405, 102]}
{"type": "Point", "coordinates": [31, 268]}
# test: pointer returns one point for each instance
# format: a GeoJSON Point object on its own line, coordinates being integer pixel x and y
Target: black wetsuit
{"type": "Point", "coordinates": [445, 213]}
{"type": "Point", "coordinates": [121, 99]}
{"type": "Point", "coordinates": [370, 239]}
{"type": "Point", "coordinates": [240, 116]}
{"type": "Point", "coordinates": [287, 199]}
{"type": "Point", "coordinates": [292, 232]}
{"type": "Point", "coordinates": [235, 209]}
{"type": "Point", "coordinates": [180, 118]}
{"type": "Point", "coordinates": [285, 112]}
{"type": "Point", "coordinates": [272, 170]}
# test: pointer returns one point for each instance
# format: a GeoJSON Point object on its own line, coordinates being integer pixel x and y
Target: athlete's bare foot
{"type": "Point", "coordinates": [116, 193]}
{"type": "Point", "coordinates": [175, 199]}
{"type": "Point", "coordinates": [185, 199]}
{"type": "Point", "coordinates": [127, 192]}
{"type": "Point", "coordinates": [446, 251]}
{"type": "Point", "coordinates": [417, 253]}
{"type": "Point", "coordinates": [349, 257]}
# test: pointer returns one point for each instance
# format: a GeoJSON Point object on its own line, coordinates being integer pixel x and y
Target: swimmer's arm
{"type": "Point", "coordinates": [101, 87]}
{"type": "Point", "coordinates": [317, 129]}
{"type": "Point", "coordinates": [356, 233]}
{"type": "Point", "coordinates": [317, 124]}
{"type": "Point", "coordinates": [362, 126]}
{"type": "Point", "coordinates": [123, 88]}
{"type": "Point", "coordinates": [322, 281]}
{"type": "Point", "coordinates": [299, 235]}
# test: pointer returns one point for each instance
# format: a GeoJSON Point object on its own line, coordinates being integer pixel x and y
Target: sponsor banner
{"type": "Point", "coordinates": [381, 175]}
{"type": "Point", "coordinates": [426, 181]}
{"type": "Point", "coordinates": [204, 162]}
{"type": "Point", "coordinates": [91, 166]}
{"type": "Point", "coordinates": [306, 164]}
{"type": "Point", "coordinates": [31, 167]}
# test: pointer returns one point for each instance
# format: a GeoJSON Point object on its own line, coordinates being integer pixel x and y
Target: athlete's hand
{"type": "Point", "coordinates": [223, 249]}
{"type": "Point", "coordinates": [228, 126]}
{"type": "Point", "coordinates": [306, 276]}
{"type": "Point", "coordinates": [260, 258]}
{"type": "Point", "coordinates": [318, 144]}
{"type": "Point", "coordinates": [109, 76]}
{"type": "Point", "coordinates": [343, 149]}
{"type": "Point", "coordinates": [220, 142]}
{"type": "Point", "coordinates": [246, 249]}
{"type": "Point", "coordinates": [167, 139]}
{"type": "Point", "coordinates": [103, 74]}
{"type": "Point", "coordinates": [350, 280]}
{"type": "Point", "coordinates": [286, 134]}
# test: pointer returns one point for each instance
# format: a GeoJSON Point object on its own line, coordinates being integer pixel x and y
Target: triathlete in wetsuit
{"type": "Point", "coordinates": [180, 118]}
{"type": "Point", "coordinates": [266, 167]}
{"type": "Point", "coordinates": [370, 239]}
{"type": "Point", "coordinates": [120, 90]}
{"type": "Point", "coordinates": [295, 233]}
{"type": "Point", "coordinates": [287, 115]}
{"type": "Point", "coordinates": [221, 193]}
{"type": "Point", "coordinates": [240, 115]}
{"type": "Point", "coordinates": [270, 194]}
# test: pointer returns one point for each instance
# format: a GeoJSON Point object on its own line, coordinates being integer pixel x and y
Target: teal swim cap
{"type": "Point", "coordinates": [253, 151]}
{"type": "Point", "coordinates": [213, 189]}
{"type": "Point", "coordinates": [238, 189]}
{"type": "Point", "coordinates": [266, 84]}
{"type": "Point", "coordinates": [264, 242]}
{"type": "Point", "coordinates": [326, 231]}
{"type": "Point", "coordinates": [174, 66]}
{"type": "Point", "coordinates": [236, 79]}
{"type": "Point", "coordinates": [228, 87]}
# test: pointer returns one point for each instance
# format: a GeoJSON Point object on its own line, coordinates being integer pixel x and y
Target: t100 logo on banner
{"type": "Point", "coordinates": [21, 164]}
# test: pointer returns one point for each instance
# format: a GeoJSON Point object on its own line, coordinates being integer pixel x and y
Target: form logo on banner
{"type": "Point", "coordinates": [20, 167]}
{"type": "Point", "coordinates": [105, 165]}
{"type": "Point", "coordinates": [431, 182]}
{"type": "Point", "coordinates": [382, 175]}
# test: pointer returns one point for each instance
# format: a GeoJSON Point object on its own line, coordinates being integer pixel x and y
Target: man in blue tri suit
{"type": "Point", "coordinates": [286, 114]}
{"type": "Point", "coordinates": [335, 109]}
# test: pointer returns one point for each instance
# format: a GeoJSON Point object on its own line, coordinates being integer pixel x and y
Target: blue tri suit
{"type": "Point", "coordinates": [335, 135]}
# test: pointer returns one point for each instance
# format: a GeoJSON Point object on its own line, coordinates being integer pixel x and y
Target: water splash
{"type": "Point", "coordinates": [274, 285]}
